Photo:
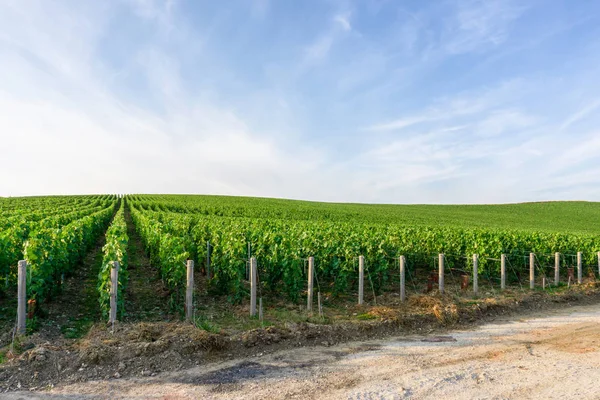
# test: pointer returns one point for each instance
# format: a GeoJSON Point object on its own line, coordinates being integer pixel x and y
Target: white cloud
{"type": "Point", "coordinates": [481, 24]}
{"type": "Point", "coordinates": [320, 48]}
{"type": "Point", "coordinates": [581, 114]}
{"type": "Point", "coordinates": [344, 21]}
{"type": "Point", "coordinates": [504, 122]}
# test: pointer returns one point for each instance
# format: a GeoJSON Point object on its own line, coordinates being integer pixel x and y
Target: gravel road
{"type": "Point", "coordinates": [552, 356]}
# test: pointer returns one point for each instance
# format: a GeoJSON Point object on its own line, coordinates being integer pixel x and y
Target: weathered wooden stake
{"type": "Point", "coordinates": [441, 272]}
{"type": "Point", "coordinates": [543, 282]}
{"type": "Point", "coordinates": [531, 271]}
{"type": "Point", "coordinates": [22, 298]}
{"type": "Point", "coordinates": [320, 305]}
{"type": "Point", "coordinates": [189, 295]}
{"type": "Point", "coordinates": [402, 278]}
{"type": "Point", "coordinates": [114, 285]}
{"type": "Point", "coordinates": [475, 273]}
{"type": "Point", "coordinates": [579, 268]}
{"type": "Point", "coordinates": [260, 310]}
{"type": "Point", "coordinates": [311, 274]}
{"type": "Point", "coordinates": [253, 282]}
{"type": "Point", "coordinates": [208, 260]}
{"type": "Point", "coordinates": [361, 279]}
{"type": "Point", "coordinates": [599, 264]}
{"type": "Point", "coordinates": [503, 271]}
{"type": "Point", "coordinates": [556, 268]}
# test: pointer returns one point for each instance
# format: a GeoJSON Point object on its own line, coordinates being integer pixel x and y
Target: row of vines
{"type": "Point", "coordinates": [282, 246]}
{"type": "Point", "coordinates": [114, 250]}
{"type": "Point", "coordinates": [52, 234]}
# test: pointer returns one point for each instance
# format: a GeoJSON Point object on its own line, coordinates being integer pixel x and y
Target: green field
{"type": "Point", "coordinates": [221, 233]}
{"type": "Point", "coordinates": [556, 216]}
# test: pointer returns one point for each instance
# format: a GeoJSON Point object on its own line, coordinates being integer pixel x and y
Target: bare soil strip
{"type": "Point", "coordinates": [146, 298]}
{"type": "Point", "coordinates": [76, 308]}
{"type": "Point", "coordinates": [553, 356]}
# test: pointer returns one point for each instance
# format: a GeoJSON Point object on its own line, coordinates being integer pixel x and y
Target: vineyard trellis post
{"type": "Point", "coordinates": [599, 263]}
{"type": "Point", "coordinates": [475, 274]}
{"type": "Point", "coordinates": [579, 268]}
{"type": "Point", "coordinates": [22, 298]}
{"type": "Point", "coordinates": [361, 279]}
{"type": "Point", "coordinates": [503, 271]}
{"type": "Point", "coordinates": [114, 285]}
{"type": "Point", "coordinates": [441, 272]}
{"type": "Point", "coordinates": [189, 295]}
{"type": "Point", "coordinates": [253, 282]}
{"type": "Point", "coordinates": [311, 274]}
{"type": "Point", "coordinates": [402, 278]}
{"type": "Point", "coordinates": [556, 268]}
{"type": "Point", "coordinates": [531, 270]}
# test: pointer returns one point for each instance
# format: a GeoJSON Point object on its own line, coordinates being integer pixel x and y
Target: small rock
{"type": "Point", "coordinates": [117, 375]}
{"type": "Point", "coordinates": [146, 373]}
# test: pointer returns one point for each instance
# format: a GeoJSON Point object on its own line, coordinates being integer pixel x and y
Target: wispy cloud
{"type": "Point", "coordinates": [581, 114]}
{"type": "Point", "coordinates": [481, 24]}
{"type": "Point", "coordinates": [320, 48]}
{"type": "Point", "coordinates": [344, 21]}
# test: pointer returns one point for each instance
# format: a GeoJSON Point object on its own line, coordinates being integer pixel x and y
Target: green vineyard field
{"type": "Point", "coordinates": [221, 233]}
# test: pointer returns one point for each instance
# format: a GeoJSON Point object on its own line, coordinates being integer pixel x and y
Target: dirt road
{"type": "Point", "coordinates": [554, 356]}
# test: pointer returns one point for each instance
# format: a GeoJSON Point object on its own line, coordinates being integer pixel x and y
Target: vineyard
{"type": "Point", "coordinates": [222, 234]}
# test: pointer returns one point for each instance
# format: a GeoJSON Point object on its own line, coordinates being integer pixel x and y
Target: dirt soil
{"type": "Point", "coordinates": [156, 360]}
{"type": "Point", "coordinates": [146, 296]}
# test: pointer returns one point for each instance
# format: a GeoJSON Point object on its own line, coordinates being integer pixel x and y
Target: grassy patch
{"type": "Point", "coordinates": [365, 317]}
{"type": "Point", "coordinates": [204, 323]}
{"type": "Point", "coordinates": [77, 328]}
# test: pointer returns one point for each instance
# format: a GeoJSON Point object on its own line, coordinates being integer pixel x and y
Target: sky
{"type": "Point", "coordinates": [379, 101]}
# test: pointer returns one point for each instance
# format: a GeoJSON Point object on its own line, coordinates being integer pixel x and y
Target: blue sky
{"type": "Point", "coordinates": [336, 100]}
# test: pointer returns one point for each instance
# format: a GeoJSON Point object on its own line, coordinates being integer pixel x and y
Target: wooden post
{"type": "Point", "coordinates": [207, 259]}
{"type": "Point", "coordinates": [260, 310]}
{"type": "Point", "coordinates": [556, 268]}
{"type": "Point", "coordinates": [402, 278]}
{"type": "Point", "coordinates": [441, 272]}
{"type": "Point", "coordinates": [253, 282]}
{"type": "Point", "coordinates": [189, 295]}
{"type": "Point", "coordinates": [531, 271]}
{"type": "Point", "coordinates": [503, 271]}
{"type": "Point", "coordinates": [114, 285]}
{"type": "Point", "coordinates": [599, 264]}
{"type": "Point", "coordinates": [361, 279]}
{"type": "Point", "coordinates": [579, 268]}
{"type": "Point", "coordinates": [475, 273]}
{"type": "Point", "coordinates": [22, 298]}
{"type": "Point", "coordinates": [311, 274]}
